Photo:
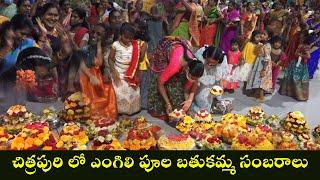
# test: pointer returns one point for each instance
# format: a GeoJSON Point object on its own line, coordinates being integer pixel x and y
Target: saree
{"type": "Point", "coordinates": [102, 96]}
{"type": "Point", "coordinates": [208, 32]}
{"type": "Point", "coordinates": [167, 51]}
{"type": "Point", "coordinates": [212, 75]}
{"type": "Point", "coordinates": [296, 77]}
{"type": "Point", "coordinates": [155, 29]}
{"type": "Point", "coordinates": [315, 55]}
{"type": "Point", "coordinates": [295, 83]}
{"type": "Point", "coordinates": [294, 35]}
{"type": "Point", "coordinates": [249, 22]}
{"type": "Point", "coordinates": [187, 30]}
{"type": "Point", "coordinates": [79, 34]}
{"type": "Point", "coordinates": [276, 22]}
{"type": "Point", "coordinates": [229, 32]}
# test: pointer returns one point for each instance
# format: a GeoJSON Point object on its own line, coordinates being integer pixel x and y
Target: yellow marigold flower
{"type": "Point", "coordinates": [47, 148]}
{"type": "Point", "coordinates": [43, 136]}
{"type": "Point", "coordinates": [187, 119]}
{"type": "Point", "coordinates": [207, 126]}
{"type": "Point", "coordinates": [28, 142]}
{"type": "Point", "coordinates": [136, 142]}
{"type": "Point", "coordinates": [3, 139]}
{"type": "Point", "coordinates": [17, 143]}
{"type": "Point", "coordinates": [46, 129]}
{"type": "Point", "coordinates": [65, 138]}
{"type": "Point", "coordinates": [60, 144]}
{"type": "Point", "coordinates": [23, 134]}
{"type": "Point", "coordinates": [1, 130]}
{"type": "Point", "coordinates": [34, 131]}
{"type": "Point", "coordinates": [38, 142]}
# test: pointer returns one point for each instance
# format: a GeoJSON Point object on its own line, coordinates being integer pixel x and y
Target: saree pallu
{"type": "Point", "coordinates": [217, 38]}
{"type": "Point", "coordinates": [175, 88]}
{"type": "Point", "coordinates": [102, 96]}
{"type": "Point", "coordinates": [228, 34]}
{"type": "Point", "coordinates": [293, 41]}
{"type": "Point", "coordinates": [156, 32]}
{"type": "Point", "coordinates": [292, 47]}
{"type": "Point", "coordinates": [208, 34]}
{"type": "Point", "coordinates": [250, 23]}
{"type": "Point", "coordinates": [296, 82]}
{"type": "Point", "coordinates": [79, 34]}
{"type": "Point", "coordinates": [180, 26]}
{"type": "Point", "coordinates": [182, 30]}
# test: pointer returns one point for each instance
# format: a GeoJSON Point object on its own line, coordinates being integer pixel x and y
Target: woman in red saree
{"type": "Point", "coordinates": [213, 16]}
{"type": "Point", "coordinates": [93, 85]}
{"type": "Point", "coordinates": [79, 27]}
{"type": "Point", "coordinates": [293, 35]}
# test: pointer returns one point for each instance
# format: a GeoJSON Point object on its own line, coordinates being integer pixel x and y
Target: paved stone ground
{"type": "Point", "coordinates": [275, 104]}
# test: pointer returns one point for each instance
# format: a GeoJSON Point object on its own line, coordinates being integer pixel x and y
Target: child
{"type": "Point", "coordinates": [296, 77]}
{"type": "Point", "coordinates": [249, 56]}
{"type": "Point", "coordinates": [260, 79]}
{"type": "Point", "coordinates": [142, 37]}
{"type": "Point", "coordinates": [278, 57]}
{"type": "Point", "coordinates": [231, 82]}
{"type": "Point", "coordinates": [123, 62]}
{"type": "Point", "coordinates": [46, 89]}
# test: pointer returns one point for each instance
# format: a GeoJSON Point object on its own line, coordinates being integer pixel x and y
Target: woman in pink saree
{"type": "Point", "coordinates": [232, 19]}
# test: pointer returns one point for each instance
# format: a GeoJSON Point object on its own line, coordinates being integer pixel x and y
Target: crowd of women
{"type": "Point", "coordinates": [157, 55]}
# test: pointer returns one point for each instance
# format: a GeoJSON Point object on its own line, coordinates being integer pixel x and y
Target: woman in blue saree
{"type": "Point", "coordinates": [314, 24]}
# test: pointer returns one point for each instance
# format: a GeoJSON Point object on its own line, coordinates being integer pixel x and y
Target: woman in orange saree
{"type": "Point", "coordinates": [248, 23]}
{"type": "Point", "coordinates": [96, 87]}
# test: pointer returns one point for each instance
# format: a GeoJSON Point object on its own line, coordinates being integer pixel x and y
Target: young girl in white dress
{"type": "Point", "coordinates": [123, 62]}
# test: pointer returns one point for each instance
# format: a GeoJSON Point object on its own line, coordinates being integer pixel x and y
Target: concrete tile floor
{"type": "Point", "coordinates": [274, 104]}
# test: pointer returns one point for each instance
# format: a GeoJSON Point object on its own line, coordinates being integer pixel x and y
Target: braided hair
{"type": "Point", "coordinates": [213, 52]}
{"type": "Point", "coordinates": [196, 67]}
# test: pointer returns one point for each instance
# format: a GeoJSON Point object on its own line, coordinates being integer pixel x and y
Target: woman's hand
{"type": "Point", "coordinates": [186, 105]}
{"type": "Point", "coordinates": [168, 108]}
{"type": "Point", "coordinates": [41, 26]}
